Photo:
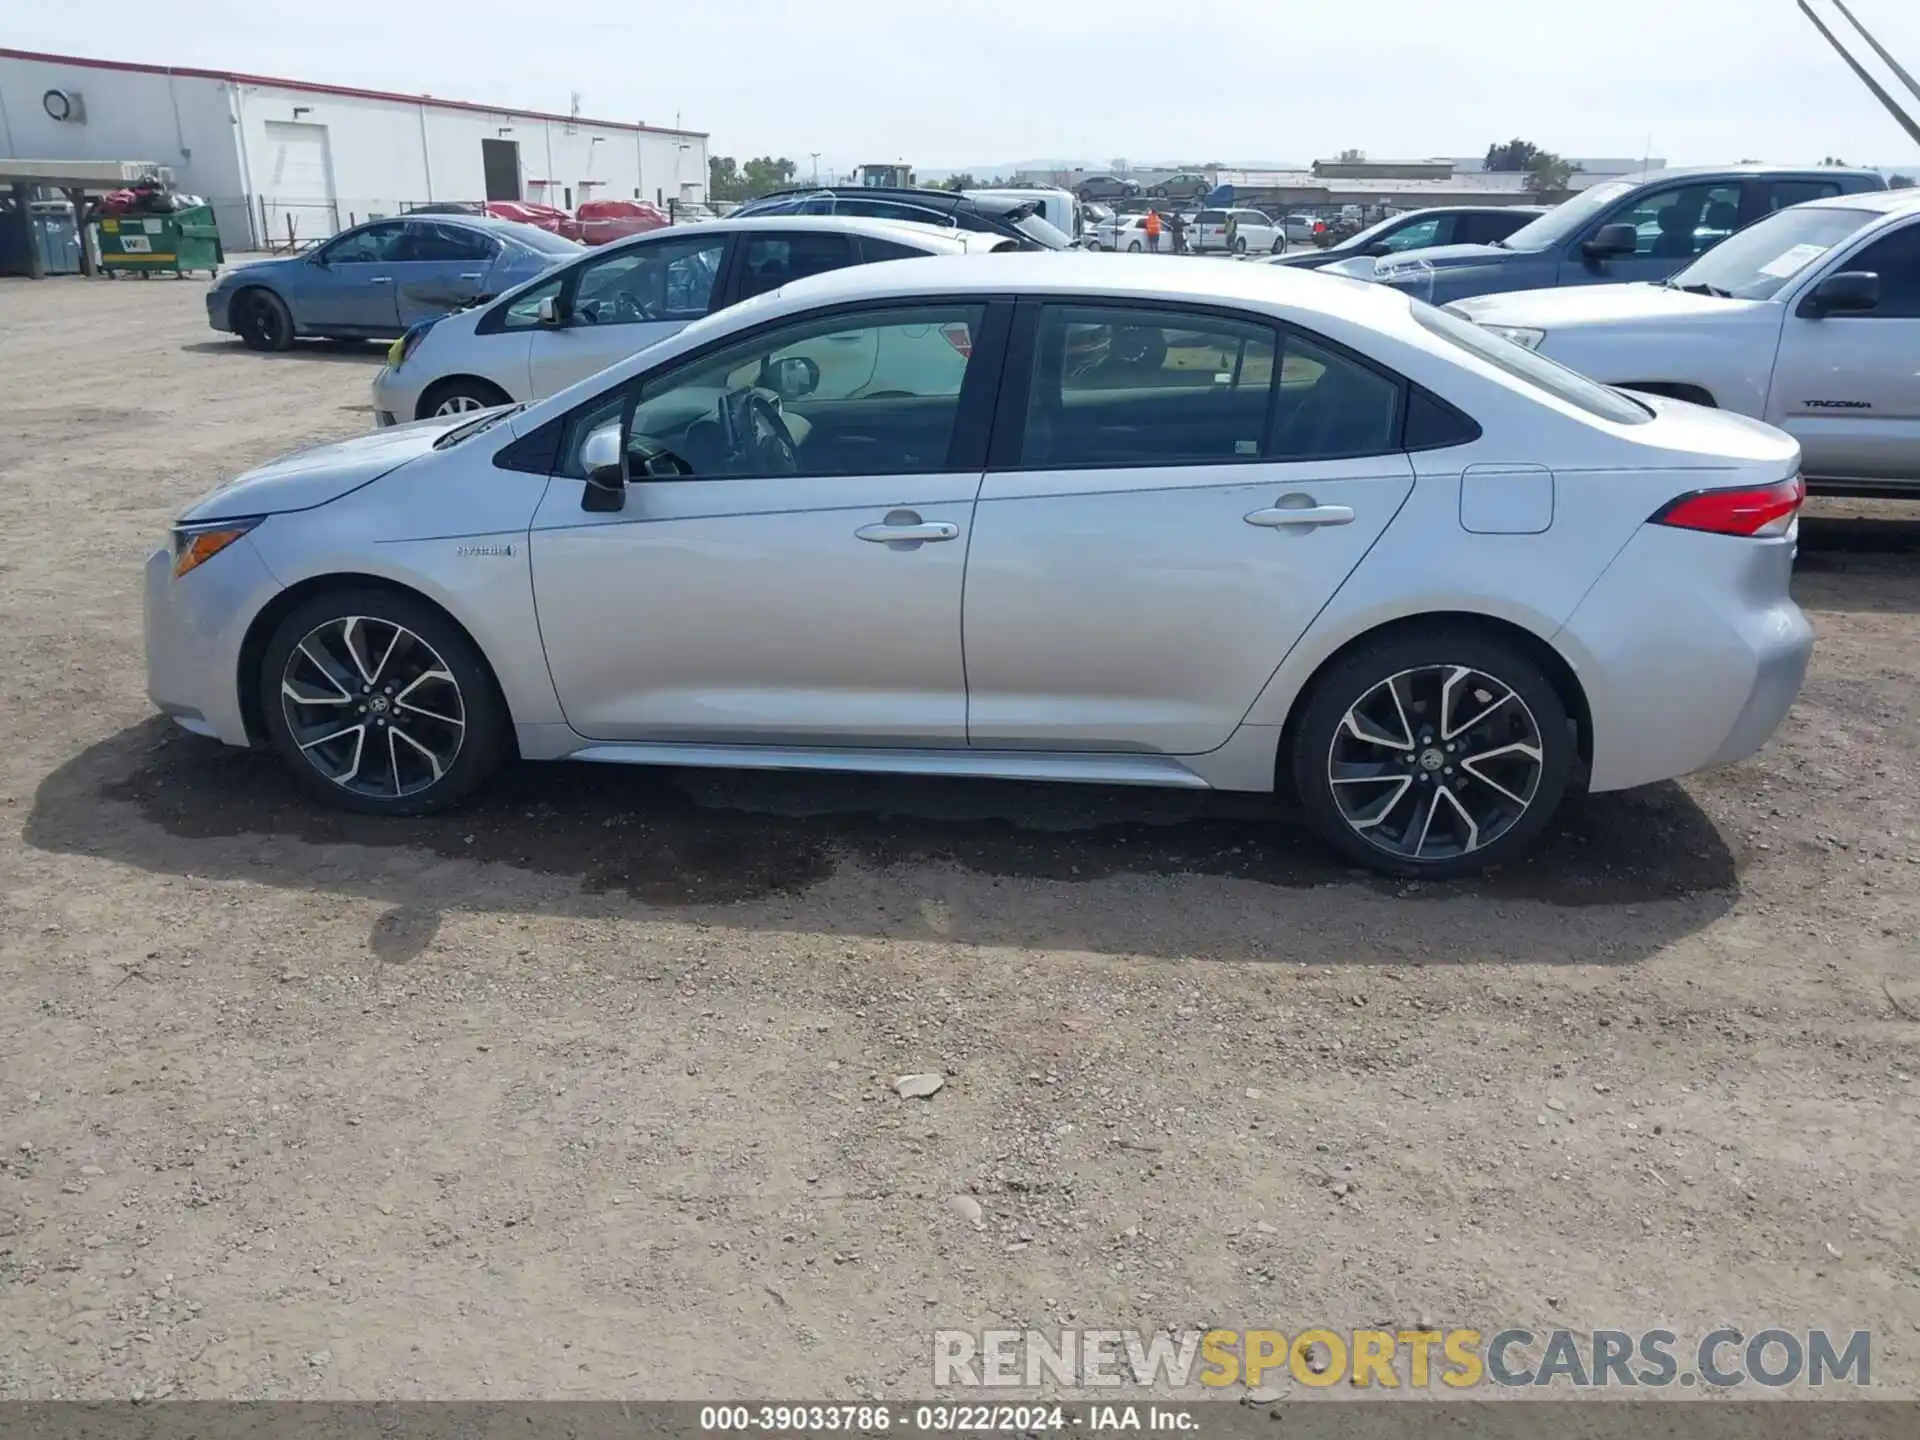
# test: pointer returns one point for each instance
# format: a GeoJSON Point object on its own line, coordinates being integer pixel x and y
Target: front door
{"type": "Point", "coordinates": [787, 568]}
{"type": "Point", "coordinates": [1172, 512]}
{"type": "Point", "coordinates": [352, 288]}
{"type": "Point", "coordinates": [618, 304]}
{"type": "Point", "coordinates": [1847, 386]}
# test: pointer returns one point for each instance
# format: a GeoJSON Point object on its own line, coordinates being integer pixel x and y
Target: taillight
{"type": "Point", "coordinates": [1761, 511]}
{"type": "Point", "coordinates": [959, 336]}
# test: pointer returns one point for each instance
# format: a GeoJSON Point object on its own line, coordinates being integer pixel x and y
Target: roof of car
{"type": "Point", "coordinates": [1159, 277]}
{"type": "Point", "coordinates": [953, 198]}
{"type": "Point", "coordinates": [1684, 172]}
{"type": "Point", "coordinates": [1883, 202]}
{"type": "Point", "coordinates": [935, 237]}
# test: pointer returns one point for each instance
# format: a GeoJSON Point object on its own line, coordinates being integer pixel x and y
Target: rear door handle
{"type": "Point", "coordinates": [1282, 516]}
{"type": "Point", "coordinates": [379, 279]}
{"type": "Point", "coordinates": [470, 274]}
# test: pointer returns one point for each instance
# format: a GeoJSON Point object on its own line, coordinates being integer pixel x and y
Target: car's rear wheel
{"type": "Point", "coordinates": [380, 704]}
{"type": "Point", "coordinates": [263, 320]}
{"type": "Point", "coordinates": [461, 395]}
{"type": "Point", "coordinates": [1240, 245]}
{"type": "Point", "coordinates": [1435, 752]}
{"type": "Point", "coordinates": [1133, 246]}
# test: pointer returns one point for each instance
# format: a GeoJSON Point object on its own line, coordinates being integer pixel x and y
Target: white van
{"type": "Point", "coordinates": [1059, 208]}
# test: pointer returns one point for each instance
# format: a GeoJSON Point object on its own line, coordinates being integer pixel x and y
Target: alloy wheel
{"type": "Point", "coordinates": [372, 707]}
{"type": "Point", "coordinates": [263, 321]}
{"type": "Point", "coordinates": [460, 405]}
{"type": "Point", "coordinates": [1435, 763]}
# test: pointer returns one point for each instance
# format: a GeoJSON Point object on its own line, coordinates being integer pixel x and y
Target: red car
{"type": "Point", "coordinates": [599, 221]}
{"type": "Point", "coordinates": [532, 212]}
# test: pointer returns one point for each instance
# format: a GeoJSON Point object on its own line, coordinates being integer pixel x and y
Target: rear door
{"type": "Point", "coordinates": [439, 268]}
{"type": "Point", "coordinates": [622, 301]}
{"type": "Point", "coordinates": [1847, 386]}
{"type": "Point", "coordinates": [1173, 494]}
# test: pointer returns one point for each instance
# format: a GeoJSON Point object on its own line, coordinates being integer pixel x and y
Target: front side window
{"type": "Point", "coordinates": [663, 280]}
{"type": "Point", "coordinates": [523, 311]}
{"type": "Point", "coordinates": [1416, 236]}
{"type": "Point", "coordinates": [769, 261]}
{"type": "Point", "coordinates": [373, 245]}
{"type": "Point", "coordinates": [875, 393]}
{"type": "Point", "coordinates": [1896, 260]}
{"type": "Point", "coordinates": [1522, 364]}
{"type": "Point", "coordinates": [1680, 223]}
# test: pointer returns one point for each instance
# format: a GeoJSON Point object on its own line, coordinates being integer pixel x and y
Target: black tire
{"type": "Point", "coordinates": [263, 320]}
{"type": "Point", "coordinates": [460, 393]}
{"type": "Point", "coordinates": [474, 702]}
{"type": "Point", "coordinates": [1355, 683]}
{"type": "Point", "coordinates": [1240, 245]}
{"type": "Point", "coordinates": [1279, 246]}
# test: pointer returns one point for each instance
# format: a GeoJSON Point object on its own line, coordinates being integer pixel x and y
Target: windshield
{"type": "Point", "coordinates": [1756, 263]}
{"type": "Point", "coordinates": [544, 241]}
{"type": "Point", "coordinates": [1563, 221]}
{"type": "Point", "coordinates": [1523, 364]}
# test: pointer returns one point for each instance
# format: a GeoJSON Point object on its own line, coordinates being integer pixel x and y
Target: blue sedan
{"type": "Point", "coordinates": [373, 281]}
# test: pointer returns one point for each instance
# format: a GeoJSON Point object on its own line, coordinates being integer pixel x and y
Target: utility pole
{"type": "Point", "coordinates": [814, 155]}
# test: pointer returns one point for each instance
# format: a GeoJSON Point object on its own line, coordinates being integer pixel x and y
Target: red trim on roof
{"type": "Point", "coordinates": [313, 87]}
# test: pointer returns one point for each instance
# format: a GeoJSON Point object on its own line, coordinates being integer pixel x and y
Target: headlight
{"type": "Point", "coordinates": [194, 545]}
{"type": "Point", "coordinates": [1521, 335]}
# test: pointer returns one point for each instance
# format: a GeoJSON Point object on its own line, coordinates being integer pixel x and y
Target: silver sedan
{"type": "Point", "coordinates": [1039, 517]}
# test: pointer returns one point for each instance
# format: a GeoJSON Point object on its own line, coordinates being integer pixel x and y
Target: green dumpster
{"type": "Point", "coordinates": [142, 244]}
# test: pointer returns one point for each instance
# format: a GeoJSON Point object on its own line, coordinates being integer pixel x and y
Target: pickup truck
{"type": "Point", "coordinates": [1643, 227]}
{"type": "Point", "coordinates": [1810, 320]}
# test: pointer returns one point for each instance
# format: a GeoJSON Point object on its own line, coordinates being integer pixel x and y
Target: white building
{"type": "Point", "coordinates": [275, 156]}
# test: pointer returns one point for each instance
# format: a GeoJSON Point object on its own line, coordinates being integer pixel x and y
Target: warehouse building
{"type": "Point", "coordinates": [281, 158]}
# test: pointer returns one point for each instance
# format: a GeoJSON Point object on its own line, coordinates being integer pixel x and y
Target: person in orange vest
{"type": "Point", "coordinates": [1152, 227]}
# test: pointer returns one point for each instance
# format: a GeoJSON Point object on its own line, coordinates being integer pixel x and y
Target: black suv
{"type": "Point", "coordinates": [927, 207]}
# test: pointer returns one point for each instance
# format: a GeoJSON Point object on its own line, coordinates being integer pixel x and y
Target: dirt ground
{"type": "Point", "coordinates": [585, 1091]}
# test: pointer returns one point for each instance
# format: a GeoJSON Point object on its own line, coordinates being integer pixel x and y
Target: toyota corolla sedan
{"type": "Point", "coordinates": [1155, 524]}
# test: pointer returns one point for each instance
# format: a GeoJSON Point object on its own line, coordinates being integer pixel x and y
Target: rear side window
{"type": "Point", "coordinates": [1782, 193]}
{"type": "Point", "coordinates": [1555, 379]}
{"type": "Point", "coordinates": [1117, 386]}
{"type": "Point", "coordinates": [1331, 406]}
{"type": "Point", "coordinates": [769, 261]}
{"type": "Point", "coordinates": [872, 250]}
{"type": "Point", "coordinates": [430, 241]}
{"type": "Point", "coordinates": [1211, 217]}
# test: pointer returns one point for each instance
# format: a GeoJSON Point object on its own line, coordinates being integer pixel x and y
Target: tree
{"type": "Point", "coordinates": [962, 181]}
{"type": "Point", "coordinates": [1835, 162]}
{"type": "Point", "coordinates": [724, 180]}
{"type": "Point", "coordinates": [764, 173]}
{"type": "Point", "coordinates": [1512, 157]}
{"type": "Point", "coordinates": [1900, 182]}
{"type": "Point", "coordinates": [1548, 174]}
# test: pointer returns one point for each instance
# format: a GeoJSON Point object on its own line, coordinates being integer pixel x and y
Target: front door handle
{"type": "Point", "coordinates": [905, 530]}
{"type": "Point", "coordinates": [1283, 515]}
{"type": "Point", "coordinates": [470, 274]}
{"type": "Point", "coordinates": [925, 530]}
{"type": "Point", "coordinates": [379, 280]}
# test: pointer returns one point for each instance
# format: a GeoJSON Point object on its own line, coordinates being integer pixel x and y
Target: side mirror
{"type": "Point", "coordinates": [547, 312]}
{"type": "Point", "coordinates": [795, 377]}
{"type": "Point", "coordinates": [1849, 292]}
{"type": "Point", "coordinates": [1611, 240]}
{"type": "Point", "coordinates": [606, 471]}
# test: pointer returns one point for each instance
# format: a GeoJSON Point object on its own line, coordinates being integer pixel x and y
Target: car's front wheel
{"type": "Point", "coordinates": [1435, 752]}
{"type": "Point", "coordinates": [1279, 245]}
{"type": "Point", "coordinates": [263, 320]}
{"type": "Point", "coordinates": [380, 703]}
{"type": "Point", "coordinates": [460, 396]}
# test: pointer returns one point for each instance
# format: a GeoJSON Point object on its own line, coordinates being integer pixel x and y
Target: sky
{"type": "Point", "coordinates": [980, 83]}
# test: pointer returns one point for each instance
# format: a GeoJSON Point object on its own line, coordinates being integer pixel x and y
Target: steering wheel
{"type": "Point", "coordinates": [756, 438]}
{"type": "Point", "coordinates": [630, 309]}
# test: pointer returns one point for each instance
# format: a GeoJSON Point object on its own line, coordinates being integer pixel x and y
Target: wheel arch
{"type": "Point", "coordinates": [250, 288]}
{"type": "Point", "coordinates": [423, 410]}
{"type": "Point", "coordinates": [1559, 673]}
{"type": "Point", "coordinates": [253, 647]}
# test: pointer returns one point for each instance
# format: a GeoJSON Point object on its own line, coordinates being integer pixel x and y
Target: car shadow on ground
{"type": "Point", "coordinates": [681, 838]}
{"type": "Point", "coordinates": [364, 352]}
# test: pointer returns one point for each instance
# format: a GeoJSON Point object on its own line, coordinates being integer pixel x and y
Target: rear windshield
{"type": "Point", "coordinates": [1536, 370]}
{"type": "Point", "coordinates": [545, 241]}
